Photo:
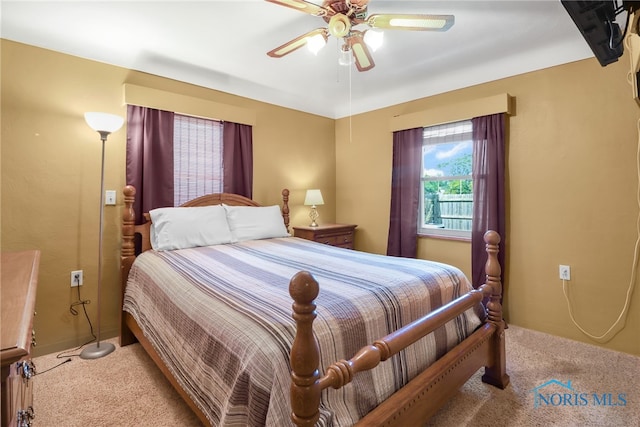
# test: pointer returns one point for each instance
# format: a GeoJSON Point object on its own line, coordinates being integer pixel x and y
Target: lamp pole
{"type": "Point", "coordinates": [99, 349]}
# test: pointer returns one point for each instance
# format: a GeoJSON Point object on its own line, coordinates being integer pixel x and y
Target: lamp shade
{"type": "Point", "coordinates": [316, 42]}
{"type": "Point", "coordinates": [103, 122]}
{"type": "Point", "coordinates": [313, 197]}
{"type": "Point", "coordinates": [373, 38]}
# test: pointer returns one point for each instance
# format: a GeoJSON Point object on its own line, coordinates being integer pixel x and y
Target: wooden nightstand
{"type": "Point", "coordinates": [340, 235]}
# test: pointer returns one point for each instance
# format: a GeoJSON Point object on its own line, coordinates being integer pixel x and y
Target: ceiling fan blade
{"type": "Point", "coordinates": [304, 6]}
{"type": "Point", "coordinates": [412, 22]}
{"type": "Point", "coordinates": [297, 43]}
{"type": "Point", "coordinates": [364, 60]}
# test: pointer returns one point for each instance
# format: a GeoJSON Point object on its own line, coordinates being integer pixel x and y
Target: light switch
{"type": "Point", "coordinates": [110, 197]}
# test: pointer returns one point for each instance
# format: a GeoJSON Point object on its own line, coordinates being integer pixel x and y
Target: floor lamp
{"type": "Point", "coordinates": [104, 124]}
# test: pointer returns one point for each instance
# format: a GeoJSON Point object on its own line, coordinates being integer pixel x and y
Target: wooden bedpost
{"type": "Point", "coordinates": [127, 257]}
{"type": "Point", "coordinates": [305, 354]}
{"type": "Point", "coordinates": [128, 221]}
{"type": "Point", "coordinates": [285, 207]}
{"type": "Point", "coordinates": [495, 374]}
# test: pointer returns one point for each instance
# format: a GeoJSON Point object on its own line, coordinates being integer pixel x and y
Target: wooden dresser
{"type": "Point", "coordinates": [18, 292]}
{"type": "Point", "coordinates": [340, 235]}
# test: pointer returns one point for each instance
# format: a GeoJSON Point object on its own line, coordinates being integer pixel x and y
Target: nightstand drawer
{"type": "Point", "coordinates": [340, 235]}
{"type": "Point", "coordinates": [335, 239]}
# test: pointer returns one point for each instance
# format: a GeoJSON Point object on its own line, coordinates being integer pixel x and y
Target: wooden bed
{"type": "Point", "coordinates": [412, 404]}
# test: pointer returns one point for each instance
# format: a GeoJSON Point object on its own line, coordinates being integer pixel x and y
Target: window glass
{"type": "Point", "coordinates": [446, 206]}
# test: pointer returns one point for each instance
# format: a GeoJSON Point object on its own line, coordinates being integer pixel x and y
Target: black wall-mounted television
{"type": "Point", "coordinates": [596, 20]}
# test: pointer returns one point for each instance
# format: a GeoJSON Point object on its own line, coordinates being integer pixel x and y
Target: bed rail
{"type": "Point", "coordinates": [307, 384]}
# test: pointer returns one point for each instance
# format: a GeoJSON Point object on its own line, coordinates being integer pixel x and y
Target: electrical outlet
{"type": "Point", "coordinates": [110, 197]}
{"type": "Point", "coordinates": [565, 272]}
{"type": "Point", "coordinates": [76, 278]}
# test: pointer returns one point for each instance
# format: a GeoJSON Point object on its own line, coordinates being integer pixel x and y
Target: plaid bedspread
{"type": "Point", "coordinates": [220, 318]}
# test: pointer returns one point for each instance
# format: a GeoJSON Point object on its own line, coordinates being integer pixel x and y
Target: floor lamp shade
{"type": "Point", "coordinates": [104, 124]}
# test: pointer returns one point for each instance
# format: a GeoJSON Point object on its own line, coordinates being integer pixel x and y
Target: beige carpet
{"type": "Point", "coordinates": [121, 389]}
{"type": "Point", "coordinates": [126, 389]}
{"type": "Point", "coordinates": [535, 359]}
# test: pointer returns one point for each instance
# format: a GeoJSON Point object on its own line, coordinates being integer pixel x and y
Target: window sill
{"type": "Point", "coordinates": [444, 237]}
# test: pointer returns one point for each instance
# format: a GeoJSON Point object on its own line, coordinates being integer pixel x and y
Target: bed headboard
{"type": "Point", "coordinates": [130, 230]}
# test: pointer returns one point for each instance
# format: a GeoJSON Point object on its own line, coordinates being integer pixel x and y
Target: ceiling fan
{"type": "Point", "coordinates": [342, 16]}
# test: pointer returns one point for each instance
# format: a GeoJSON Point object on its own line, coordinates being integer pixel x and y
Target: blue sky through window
{"type": "Point", "coordinates": [440, 159]}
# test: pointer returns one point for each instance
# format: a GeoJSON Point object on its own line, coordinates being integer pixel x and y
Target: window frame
{"type": "Point", "coordinates": [436, 232]}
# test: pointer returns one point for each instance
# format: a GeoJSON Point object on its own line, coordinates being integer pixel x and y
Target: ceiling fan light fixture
{"type": "Point", "coordinates": [373, 38]}
{"type": "Point", "coordinates": [315, 43]}
{"type": "Point", "coordinates": [298, 42]}
{"type": "Point", "coordinates": [345, 59]}
{"type": "Point", "coordinates": [342, 16]}
{"type": "Point", "coordinates": [339, 25]}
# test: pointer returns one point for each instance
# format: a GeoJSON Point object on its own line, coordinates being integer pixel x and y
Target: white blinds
{"type": "Point", "coordinates": [197, 157]}
{"type": "Point", "coordinates": [448, 132]}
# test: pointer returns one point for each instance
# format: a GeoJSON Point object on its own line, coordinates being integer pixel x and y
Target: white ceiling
{"type": "Point", "coordinates": [222, 45]}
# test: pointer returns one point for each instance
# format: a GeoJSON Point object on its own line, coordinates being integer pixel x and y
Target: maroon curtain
{"type": "Point", "coordinates": [237, 159]}
{"type": "Point", "coordinates": [405, 193]}
{"type": "Point", "coordinates": [488, 190]}
{"type": "Point", "coordinates": [150, 158]}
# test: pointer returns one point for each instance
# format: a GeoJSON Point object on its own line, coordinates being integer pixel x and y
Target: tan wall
{"type": "Point", "coordinates": [571, 194]}
{"type": "Point", "coordinates": [571, 184]}
{"type": "Point", "coordinates": [51, 174]}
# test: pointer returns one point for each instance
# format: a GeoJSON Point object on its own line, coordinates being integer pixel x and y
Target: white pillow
{"type": "Point", "coordinates": [255, 222]}
{"type": "Point", "coordinates": [188, 227]}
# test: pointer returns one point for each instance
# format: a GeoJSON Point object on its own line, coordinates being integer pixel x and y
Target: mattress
{"type": "Point", "coordinates": [220, 318]}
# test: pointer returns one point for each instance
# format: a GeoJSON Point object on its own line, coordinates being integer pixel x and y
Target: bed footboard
{"type": "Point", "coordinates": [485, 348]}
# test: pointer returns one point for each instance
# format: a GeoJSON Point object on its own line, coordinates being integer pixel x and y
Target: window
{"type": "Point", "coordinates": [197, 157]}
{"type": "Point", "coordinates": [446, 207]}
